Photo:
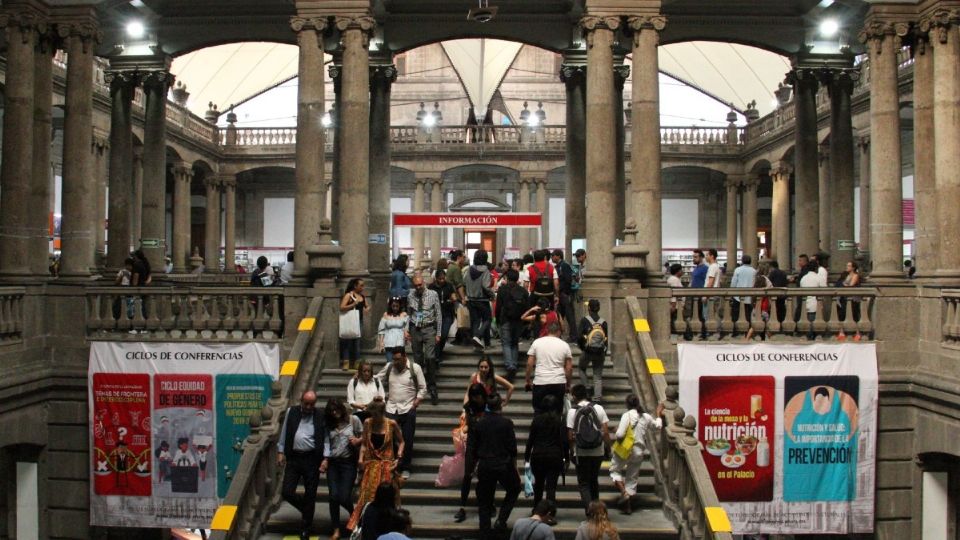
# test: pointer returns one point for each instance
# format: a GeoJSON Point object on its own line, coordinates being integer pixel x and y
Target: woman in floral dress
{"type": "Point", "coordinates": [380, 451]}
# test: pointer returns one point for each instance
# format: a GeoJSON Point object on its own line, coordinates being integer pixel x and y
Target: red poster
{"type": "Point", "coordinates": [736, 425]}
{"type": "Point", "coordinates": [121, 434]}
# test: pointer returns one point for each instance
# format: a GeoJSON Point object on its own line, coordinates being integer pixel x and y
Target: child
{"type": "Point", "coordinates": [202, 461]}
{"type": "Point", "coordinates": [593, 343]}
{"type": "Point", "coordinates": [164, 458]}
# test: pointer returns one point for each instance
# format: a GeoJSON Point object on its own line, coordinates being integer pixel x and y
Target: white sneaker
{"type": "Point", "coordinates": [478, 342]}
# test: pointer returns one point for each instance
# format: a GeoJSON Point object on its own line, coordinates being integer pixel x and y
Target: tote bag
{"type": "Point", "coordinates": [350, 324]}
{"type": "Point", "coordinates": [623, 448]}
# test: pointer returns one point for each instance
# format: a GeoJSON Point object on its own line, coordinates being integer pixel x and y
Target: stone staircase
{"type": "Point", "coordinates": [432, 508]}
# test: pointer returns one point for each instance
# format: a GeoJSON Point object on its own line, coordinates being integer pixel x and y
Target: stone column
{"type": "Point", "coordinates": [523, 205]}
{"type": "Point", "coordinates": [863, 245]}
{"type": "Point", "coordinates": [925, 238]}
{"type": "Point", "coordinates": [229, 183]}
{"type": "Point", "coordinates": [182, 176]}
{"type": "Point", "coordinates": [153, 214]}
{"type": "Point", "coordinates": [79, 184]}
{"type": "Point", "coordinates": [382, 77]}
{"type": "Point", "coordinates": [840, 86]}
{"type": "Point", "coordinates": [620, 74]}
{"type": "Point", "coordinates": [886, 219]}
{"type": "Point", "coordinates": [748, 217]}
{"type": "Point", "coordinates": [100, 152]}
{"type": "Point", "coordinates": [541, 198]}
{"type": "Point", "coordinates": [122, 85]}
{"type": "Point", "coordinates": [601, 143]}
{"type": "Point", "coordinates": [308, 205]}
{"type": "Point", "coordinates": [733, 186]}
{"type": "Point", "coordinates": [574, 76]}
{"type": "Point", "coordinates": [211, 255]}
{"type": "Point", "coordinates": [419, 200]}
{"type": "Point", "coordinates": [335, 71]}
{"type": "Point", "coordinates": [136, 205]}
{"type": "Point", "coordinates": [18, 127]}
{"type": "Point", "coordinates": [806, 174]}
{"type": "Point", "coordinates": [823, 197]}
{"type": "Point", "coordinates": [354, 131]}
{"type": "Point", "coordinates": [645, 137]}
{"type": "Point", "coordinates": [40, 205]}
{"type": "Point", "coordinates": [436, 205]}
{"type": "Point", "coordinates": [780, 220]}
{"type": "Point", "coordinates": [946, 127]}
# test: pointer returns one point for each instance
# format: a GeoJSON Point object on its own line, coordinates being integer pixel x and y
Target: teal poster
{"type": "Point", "coordinates": [238, 396]}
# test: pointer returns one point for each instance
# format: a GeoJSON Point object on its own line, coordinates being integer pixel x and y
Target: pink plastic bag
{"type": "Point", "coordinates": [451, 471]}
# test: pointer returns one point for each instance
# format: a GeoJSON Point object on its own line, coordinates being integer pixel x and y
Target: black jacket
{"type": "Point", "coordinates": [548, 438]}
{"type": "Point", "coordinates": [493, 442]}
{"type": "Point", "coordinates": [294, 415]}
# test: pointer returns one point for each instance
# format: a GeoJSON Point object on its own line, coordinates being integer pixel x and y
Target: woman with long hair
{"type": "Point", "coordinates": [362, 389]}
{"type": "Point", "coordinates": [542, 316]}
{"type": "Point", "coordinates": [353, 298]}
{"type": "Point", "coordinates": [487, 377]}
{"type": "Point", "coordinates": [400, 283]}
{"type": "Point", "coordinates": [850, 278]}
{"type": "Point", "coordinates": [547, 449]}
{"type": "Point", "coordinates": [392, 331]}
{"type": "Point", "coordinates": [381, 448]}
{"type": "Point", "coordinates": [625, 471]}
{"type": "Point", "coordinates": [473, 410]}
{"type": "Point", "coordinates": [374, 522]}
{"type": "Point", "coordinates": [598, 525]}
{"type": "Point", "coordinates": [341, 444]}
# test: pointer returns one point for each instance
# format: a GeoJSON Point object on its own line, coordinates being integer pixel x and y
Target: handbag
{"type": "Point", "coordinates": [624, 447]}
{"type": "Point", "coordinates": [350, 324]}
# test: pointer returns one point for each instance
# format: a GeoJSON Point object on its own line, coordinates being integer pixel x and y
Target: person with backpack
{"type": "Point", "coordinates": [588, 432]}
{"type": "Point", "coordinates": [362, 389]}
{"type": "Point", "coordinates": [543, 280]}
{"type": "Point", "coordinates": [630, 449]}
{"type": "Point", "coordinates": [478, 284]}
{"type": "Point", "coordinates": [593, 343]}
{"type": "Point", "coordinates": [512, 300]}
{"type": "Point", "coordinates": [565, 291]}
{"type": "Point", "coordinates": [405, 390]}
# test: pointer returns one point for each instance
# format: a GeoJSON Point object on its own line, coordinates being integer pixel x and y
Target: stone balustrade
{"type": "Point", "coordinates": [840, 312]}
{"type": "Point", "coordinates": [681, 476]}
{"type": "Point", "coordinates": [951, 316]}
{"type": "Point", "coordinates": [696, 135]}
{"type": "Point", "coordinates": [254, 492]}
{"type": "Point", "coordinates": [163, 313]}
{"type": "Point", "coordinates": [11, 314]}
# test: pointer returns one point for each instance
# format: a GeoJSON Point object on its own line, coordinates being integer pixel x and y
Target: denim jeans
{"type": "Point", "coordinates": [510, 340]}
{"type": "Point", "coordinates": [341, 474]}
{"type": "Point", "coordinates": [480, 317]}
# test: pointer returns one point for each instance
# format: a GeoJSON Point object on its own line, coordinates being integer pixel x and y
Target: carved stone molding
{"type": "Point", "coordinates": [573, 75]}
{"type": "Point", "coordinates": [161, 79]}
{"type": "Point", "coordinates": [363, 23]}
{"type": "Point", "coordinates": [382, 74]}
{"type": "Point", "coordinates": [874, 32]}
{"type": "Point", "coordinates": [87, 31]}
{"type": "Point", "coordinates": [228, 181]}
{"type": "Point", "coordinates": [298, 24]}
{"type": "Point", "coordinates": [803, 78]}
{"type": "Point", "coordinates": [591, 23]}
{"type": "Point", "coordinates": [940, 22]}
{"type": "Point", "coordinates": [121, 78]}
{"type": "Point", "coordinates": [647, 22]}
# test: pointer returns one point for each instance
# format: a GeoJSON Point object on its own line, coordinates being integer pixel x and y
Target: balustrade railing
{"type": "Point", "coordinates": [695, 135]}
{"type": "Point", "coordinates": [241, 313]}
{"type": "Point", "coordinates": [254, 492]}
{"type": "Point", "coordinates": [11, 314]}
{"type": "Point", "coordinates": [951, 317]}
{"type": "Point", "coordinates": [828, 313]}
{"type": "Point", "coordinates": [681, 476]}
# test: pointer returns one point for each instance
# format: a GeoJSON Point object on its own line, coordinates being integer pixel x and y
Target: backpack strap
{"type": "Point", "coordinates": [590, 320]}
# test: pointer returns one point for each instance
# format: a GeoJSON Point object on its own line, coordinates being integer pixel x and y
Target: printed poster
{"type": "Point", "coordinates": [788, 432]}
{"type": "Point", "coordinates": [167, 422]}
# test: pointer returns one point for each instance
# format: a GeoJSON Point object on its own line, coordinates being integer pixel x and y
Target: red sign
{"type": "Point", "coordinates": [467, 219]}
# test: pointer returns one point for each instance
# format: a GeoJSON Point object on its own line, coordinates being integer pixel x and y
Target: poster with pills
{"type": "Point", "coordinates": [167, 425]}
{"type": "Point", "coordinates": [788, 432]}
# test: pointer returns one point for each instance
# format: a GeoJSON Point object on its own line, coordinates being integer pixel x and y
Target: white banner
{"type": "Point", "coordinates": [788, 432]}
{"type": "Point", "coordinates": [167, 421]}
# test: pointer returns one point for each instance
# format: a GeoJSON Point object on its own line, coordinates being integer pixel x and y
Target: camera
{"type": "Point", "coordinates": [482, 14]}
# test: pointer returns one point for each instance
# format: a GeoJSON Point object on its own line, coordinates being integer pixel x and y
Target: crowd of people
{"type": "Point", "coordinates": [813, 272]}
{"type": "Point", "coordinates": [368, 438]}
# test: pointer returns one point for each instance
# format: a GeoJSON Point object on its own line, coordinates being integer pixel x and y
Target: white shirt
{"type": "Point", "coordinates": [364, 392]}
{"type": "Point", "coordinates": [674, 281]}
{"type": "Point", "coordinates": [402, 389]}
{"type": "Point", "coordinates": [824, 275]}
{"type": "Point", "coordinates": [601, 416]}
{"type": "Point", "coordinates": [640, 425]}
{"type": "Point", "coordinates": [286, 272]}
{"type": "Point", "coordinates": [811, 279]}
{"type": "Point", "coordinates": [551, 354]}
{"type": "Point", "coordinates": [713, 271]}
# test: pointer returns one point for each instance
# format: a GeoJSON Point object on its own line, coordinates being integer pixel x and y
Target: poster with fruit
{"type": "Point", "coordinates": [736, 433]}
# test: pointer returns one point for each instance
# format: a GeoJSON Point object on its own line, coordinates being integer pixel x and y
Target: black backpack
{"type": "Point", "coordinates": [586, 427]}
{"type": "Point", "coordinates": [514, 303]}
{"type": "Point", "coordinates": [543, 283]}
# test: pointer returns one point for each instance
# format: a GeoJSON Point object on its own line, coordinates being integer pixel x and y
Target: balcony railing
{"type": "Point", "coordinates": [11, 314]}
{"type": "Point", "coordinates": [503, 136]}
{"type": "Point", "coordinates": [951, 317]}
{"type": "Point", "coordinates": [839, 312]}
{"type": "Point", "coordinates": [139, 313]}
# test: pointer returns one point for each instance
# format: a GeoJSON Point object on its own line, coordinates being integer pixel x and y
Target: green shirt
{"type": "Point", "coordinates": [455, 275]}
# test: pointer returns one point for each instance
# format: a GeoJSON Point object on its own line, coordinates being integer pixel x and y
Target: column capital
{"type": "Point", "coordinates": [803, 78]}
{"type": "Point", "coordinates": [24, 17]}
{"type": "Point", "coordinates": [79, 23]}
{"type": "Point", "coordinates": [437, 181]}
{"type": "Point", "coordinates": [121, 79]}
{"type": "Point", "coordinates": [364, 23]}
{"type": "Point", "coordinates": [540, 181]}
{"type": "Point", "coordinates": [751, 182]}
{"type": "Point", "coordinates": [863, 141]}
{"type": "Point", "coordinates": [335, 70]}
{"type": "Point", "coordinates": [421, 181]}
{"type": "Point", "coordinates": [228, 181]}
{"type": "Point", "coordinates": [182, 171]}
{"type": "Point", "coordinates": [939, 22]}
{"type": "Point", "coordinates": [573, 74]}
{"type": "Point", "coordinates": [591, 23]}
{"type": "Point", "coordinates": [212, 182]}
{"type": "Point", "coordinates": [823, 153]}
{"type": "Point", "coordinates": [733, 182]}
{"type": "Point", "coordinates": [638, 23]}
{"type": "Point", "coordinates": [876, 31]}
{"type": "Point", "coordinates": [299, 24]}
{"type": "Point", "coordinates": [161, 79]}
{"type": "Point", "coordinates": [525, 181]}
{"type": "Point", "coordinates": [382, 74]}
{"type": "Point", "coordinates": [781, 171]}
{"type": "Point", "coordinates": [620, 74]}
{"type": "Point", "coordinates": [100, 140]}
